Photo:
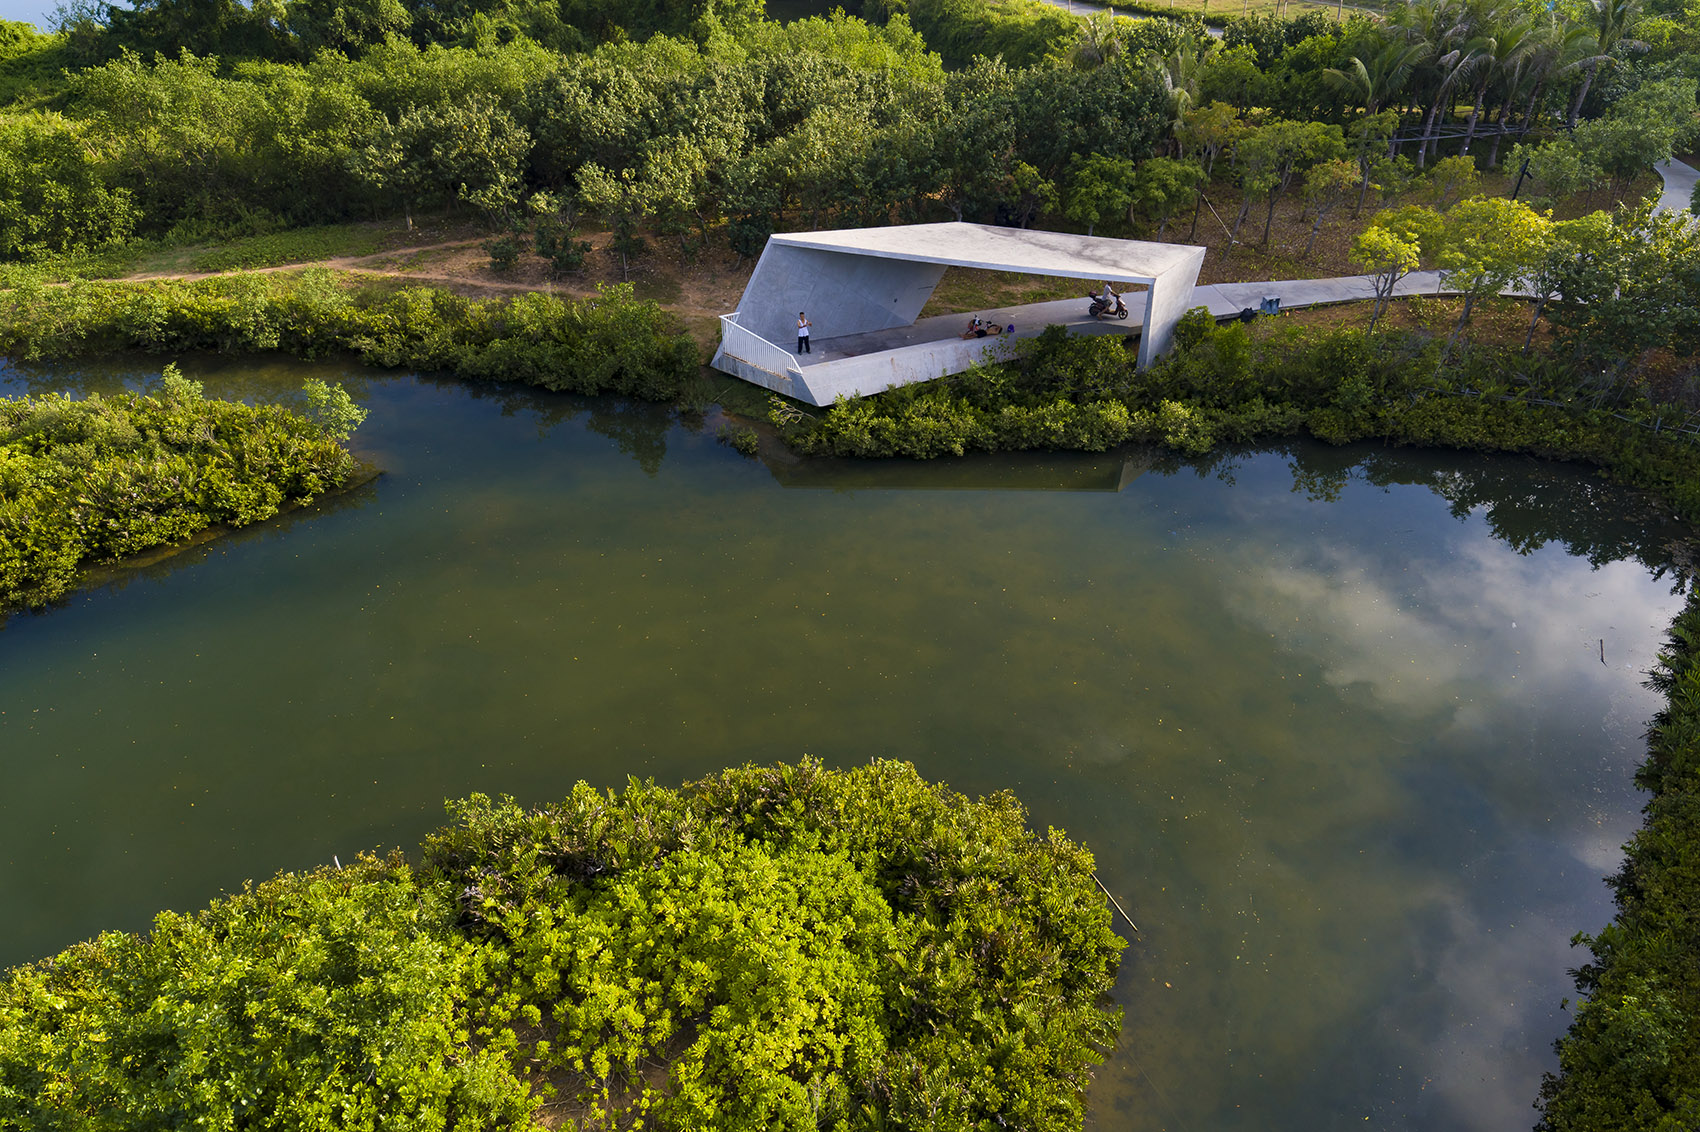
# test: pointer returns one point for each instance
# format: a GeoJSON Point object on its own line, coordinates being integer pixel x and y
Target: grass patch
{"type": "Point", "coordinates": [663, 288]}
{"type": "Point", "coordinates": [303, 245]}
{"type": "Point", "coordinates": [975, 289]}
{"type": "Point", "coordinates": [108, 263]}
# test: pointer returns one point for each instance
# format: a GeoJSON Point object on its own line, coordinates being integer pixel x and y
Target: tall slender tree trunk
{"type": "Point", "coordinates": [1383, 291]}
{"type": "Point", "coordinates": [1463, 319]}
{"type": "Point", "coordinates": [1475, 115]}
{"type": "Point", "coordinates": [1529, 110]}
{"type": "Point", "coordinates": [1428, 132]}
{"type": "Point", "coordinates": [1540, 306]}
{"type": "Point", "coordinates": [1233, 237]}
{"type": "Point", "coordinates": [1314, 229]}
{"type": "Point", "coordinates": [1499, 134]}
{"type": "Point", "coordinates": [1582, 93]}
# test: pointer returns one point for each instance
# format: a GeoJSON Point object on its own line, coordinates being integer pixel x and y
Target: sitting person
{"type": "Point", "coordinates": [976, 328]}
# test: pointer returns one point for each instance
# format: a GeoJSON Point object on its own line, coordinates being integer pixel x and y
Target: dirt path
{"type": "Point", "coordinates": [697, 292]}
{"type": "Point", "coordinates": [340, 263]}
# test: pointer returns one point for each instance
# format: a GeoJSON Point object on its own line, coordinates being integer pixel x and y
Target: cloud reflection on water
{"type": "Point", "coordinates": [1437, 633]}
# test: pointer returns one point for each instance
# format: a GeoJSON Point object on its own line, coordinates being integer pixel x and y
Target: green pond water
{"type": "Point", "coordinates": [1335, 722]}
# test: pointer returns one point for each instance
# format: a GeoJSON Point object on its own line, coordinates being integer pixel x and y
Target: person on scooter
{"type": "Point", "coordinates": [1106, 302]}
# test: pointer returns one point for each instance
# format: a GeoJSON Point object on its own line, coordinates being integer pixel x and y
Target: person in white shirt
{"type": "Point", "coordinates": [803, 325]}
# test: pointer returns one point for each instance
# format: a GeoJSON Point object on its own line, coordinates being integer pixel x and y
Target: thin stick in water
{"type": "Point", "coordinates": [1116, 903]}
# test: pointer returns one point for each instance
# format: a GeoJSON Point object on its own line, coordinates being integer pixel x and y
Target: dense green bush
{"type": "Point", "coordinates": [612, 343]}
{"type": "Point", "coordinates": [54, 195]}
{"type": "Point", "coordinates": [334, 999]}
{"type": "Point", "coordinates": [95, 480]}
{"type": "Point", "coordinates": [1226, 385]}
{"type": "Point", "coordinates": [1631, 1059]}
{"type": "Point", "coordinates": [1021, 32]}
{"type": "Point", "coordinates": [772, 947]}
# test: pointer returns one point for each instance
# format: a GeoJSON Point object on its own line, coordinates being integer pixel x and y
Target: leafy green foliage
{"type": "Point", "coordinates": [1644, 127]}
{"type": "Point", "coordinates": [1558, 168]}
{"type": "Point", "coordinates": [328, 999]}
{"type": "Point", "coordinates": [1019, 32]}
{"type": "Point", "coordinates": [612, 343]}
{"type": "Point", "coordinates": [98, 479]}
{"type": "Point", "coordinates": [796, 947]}
{"type": "Point", "coordinates": [1487, 244]}
{"type": "Point", "coordinates": [1625, 284]}
{"type": "Point", "coordinates": [55, 194]}
{"type": "Point", "coordinates": [1393, 246]}
{"type": "Point", "coordinates": [778, 947]}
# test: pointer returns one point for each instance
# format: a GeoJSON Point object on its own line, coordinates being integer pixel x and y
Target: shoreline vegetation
{"type": "Point", "coordinates": [775, 947]}
{"type": "Point", "coordinates": [585, 137]}
{"type": "Point", "coordinates": [611, 342]}
{"type": "Point", "coordinates": [98, 480]}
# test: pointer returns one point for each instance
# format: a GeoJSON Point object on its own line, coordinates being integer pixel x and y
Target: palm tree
{"type": "Point", "coordinates": [1373, 85]}
{"type": "Point", "coordinates": [1552, 48]}
{"type": "Point", "coordinates": [1514, 38]}
{"type": "Point", "coordinates": [1452, 70]}
{"type": "Point", "coordinates": [1447, 28]}
{"type": "Point", "coordinates": [1099, 41]}
{"type": "Point", "coordinates": [1610, 20]}
{"type": "Point", "coordinates": [1376, 83]}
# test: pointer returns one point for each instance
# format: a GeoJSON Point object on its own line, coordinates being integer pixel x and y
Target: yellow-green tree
{"type": "Point", "coordinates": [1488, 244]}
{"type": "Point", "coordinates": [1392, 247]}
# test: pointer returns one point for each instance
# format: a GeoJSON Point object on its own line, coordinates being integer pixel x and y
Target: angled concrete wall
{"type": "Point", "coordinates": [843, 294]}
{"type": "Point", "coordinates": [1169, 298]}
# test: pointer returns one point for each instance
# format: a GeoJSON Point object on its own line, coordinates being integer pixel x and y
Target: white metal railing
{"type": "Point", "coordinates": [748, 346]}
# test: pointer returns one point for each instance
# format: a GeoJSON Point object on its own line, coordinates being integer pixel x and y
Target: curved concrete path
{"type": "Point", "coordinates": [1679, 180]}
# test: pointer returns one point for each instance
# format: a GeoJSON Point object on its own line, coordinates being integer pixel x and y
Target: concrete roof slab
{"type": "Point", "coordinates": [1026, 250]}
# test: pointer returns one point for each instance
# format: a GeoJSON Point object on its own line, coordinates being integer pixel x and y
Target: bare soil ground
{"type": "Point", "coordinates": [1251, 260]}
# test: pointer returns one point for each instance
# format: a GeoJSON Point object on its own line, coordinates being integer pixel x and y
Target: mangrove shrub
{"type": "Point", "coordinates": [97, 479]}
{"type": "Point", "coordinates": [1225, 385]}
{"type": "Point", "coordinates": [780, 947]}
{"type": "Point", "coordinates": [611, 342]}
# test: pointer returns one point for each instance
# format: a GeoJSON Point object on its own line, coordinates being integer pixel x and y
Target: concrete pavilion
{"type": "Point", "coordinates": [863, 289]}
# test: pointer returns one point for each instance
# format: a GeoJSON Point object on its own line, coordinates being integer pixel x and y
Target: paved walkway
{"type": "Point", "coordinates": [1225, 300]}
{"type": "Point", "coordinates": [1679, 185]}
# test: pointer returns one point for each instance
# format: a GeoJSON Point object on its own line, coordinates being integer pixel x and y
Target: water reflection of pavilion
{"type": "Point", "coordinates": [1001, 471]}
